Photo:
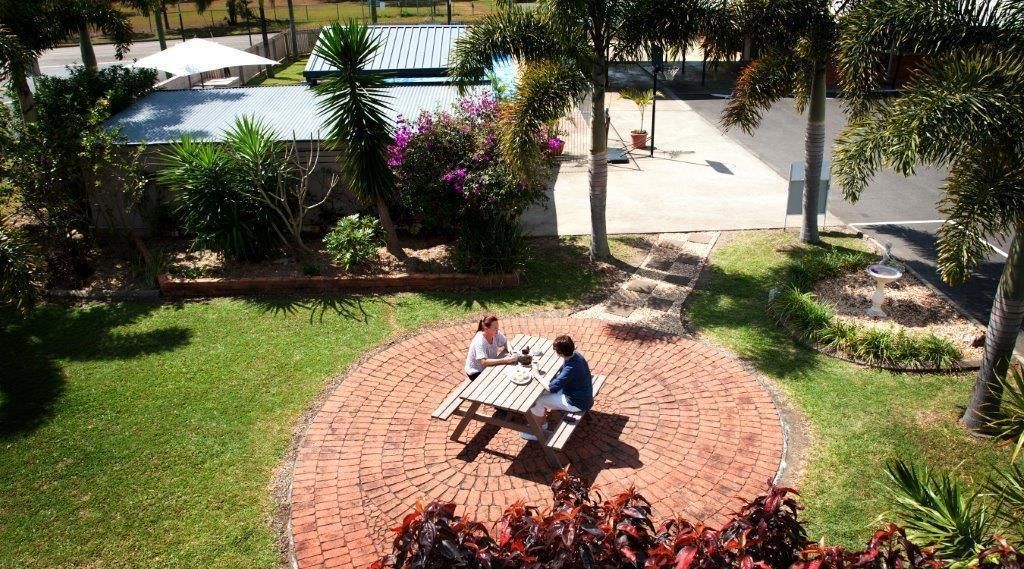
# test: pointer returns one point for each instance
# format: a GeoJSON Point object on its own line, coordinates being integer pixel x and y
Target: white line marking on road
{"type": "Point", "coordinates": [914, 222]}
{"type": "Point", "coordinates": [996, 249]}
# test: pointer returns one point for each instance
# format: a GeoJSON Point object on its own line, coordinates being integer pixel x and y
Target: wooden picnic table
{"type": "Point", "coordinates": [494, 388]}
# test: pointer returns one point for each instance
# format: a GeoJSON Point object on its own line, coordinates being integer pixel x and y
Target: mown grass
{"type": "Point", "coordinates": [146, 435]}
{"type": "Point", "coordinates": [287, 74]}
{"type": "Point", "coordinates": [308, 14]}
{"type": "Point", "coordinates": [859, 417]}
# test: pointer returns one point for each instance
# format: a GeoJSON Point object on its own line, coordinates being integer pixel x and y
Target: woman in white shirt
{"type": "Point", "coordinates": [488, 348]}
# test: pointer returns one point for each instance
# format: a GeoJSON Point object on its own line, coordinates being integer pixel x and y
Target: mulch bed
{"type": "Point", "coordinates": [909, 303]}
{"type": "Point", "coordinates": [185, 262]}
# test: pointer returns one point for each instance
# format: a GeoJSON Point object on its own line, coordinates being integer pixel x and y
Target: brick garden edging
{"type": "Point", "coordinates": [413, 282]}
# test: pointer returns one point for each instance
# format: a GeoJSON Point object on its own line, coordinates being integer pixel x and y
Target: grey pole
{"type": "Point", "coordinates": [657, 58]}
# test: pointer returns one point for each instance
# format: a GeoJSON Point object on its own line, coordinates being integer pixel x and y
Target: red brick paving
{"type": "Point", "coordinates": [683, 421]}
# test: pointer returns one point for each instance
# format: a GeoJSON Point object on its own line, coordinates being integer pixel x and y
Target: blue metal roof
{"type": "Point", "coordinates": [292, 111]}
{"type": "Point", "coordinates": [405, 51]}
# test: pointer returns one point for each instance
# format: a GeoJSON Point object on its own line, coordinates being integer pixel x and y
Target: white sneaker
{"type": "Point", "coordinates": [530, 436]}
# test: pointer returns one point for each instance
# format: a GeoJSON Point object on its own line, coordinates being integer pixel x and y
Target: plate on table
{"type": "Point", "coordinates": [519, 375]}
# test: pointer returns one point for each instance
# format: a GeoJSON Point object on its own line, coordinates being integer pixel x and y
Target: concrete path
{"type": "Point", "coordinates": [698, 180]}
{"type": "Point", "coordinates": [654, 295]}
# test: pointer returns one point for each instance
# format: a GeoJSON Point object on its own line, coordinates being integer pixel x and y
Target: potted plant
{"type": "Point", "coordinates": [641, 98]}
{"type": "Point", "coordinates": [555, 143]}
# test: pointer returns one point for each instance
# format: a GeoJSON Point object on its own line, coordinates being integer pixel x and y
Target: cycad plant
{"type": "Point", "coordinates": [795, 42]}
{"type": "Point", "coordinates": [937, 509]}
{"type": "Point", "coordinates": [962, 111]}
{"type": "Point", "coordinates": [354, 102]}
{"type": "Point", "coordinates": [564, 47]}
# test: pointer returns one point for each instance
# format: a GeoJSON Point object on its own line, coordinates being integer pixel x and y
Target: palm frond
{"type": "Point", "coordinates": [545, 92]}
{"type": "Point", "coordinates": [937, 509]}
{"type": "Point", "coordinates": [766, 80]}
{"type": "Point", "coordinates": [514, 32]}
{"type": "Point", "coordinates": [1009, 487]}
{"type": "Point", "coordinates": [875, 27]}
{"type": "Point", "coordinates": [1009, 424]}
{"type": "Point", "coordinates": [984, 194]}
{"type": "Point", "coordinates": [355, 104]}
{"type": "Point", "coordinates": [962, 106]}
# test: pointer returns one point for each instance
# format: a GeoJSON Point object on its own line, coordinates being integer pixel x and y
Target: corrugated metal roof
{"type": "Point", "coordinates": [164, 116]}
{"type": "Point", "coordinates": [405, 51]}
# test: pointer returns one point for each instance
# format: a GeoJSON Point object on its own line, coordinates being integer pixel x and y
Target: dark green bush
{"type": "Point", "coordinates": [212, 201]}
{"type": "Point", "coordinates": [354, 240]}
{"type": "Point", "coordinates": [19, 286]}
{"type": "Point", "coordinates": [490, 245]}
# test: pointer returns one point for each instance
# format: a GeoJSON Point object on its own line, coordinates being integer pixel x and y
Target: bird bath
{"type": "Point", "coordinates": [883, 275]}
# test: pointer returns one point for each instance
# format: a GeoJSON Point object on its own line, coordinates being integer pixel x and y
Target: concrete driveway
{"type": "Point", "coordinates": [698, 179]}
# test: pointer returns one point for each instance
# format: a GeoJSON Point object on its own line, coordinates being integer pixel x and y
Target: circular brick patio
{"type": "Point", "coordinates": [683, 421]}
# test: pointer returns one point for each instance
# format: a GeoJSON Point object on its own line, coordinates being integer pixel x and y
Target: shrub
{"type": "Point", "coordinates": [354, 240]}
{"type": "Point", "coordinates": [493, 244]}
{"type": "Point", "coordinates": [452, 179]}
{"type": "Point", "coordinates": [55, 167]}
{"type": "Point", "coordinates": [580, 531]}
{"type": "Point", "coordinates": [214, 202]}
{"type": "Point", "coordinates": [19, 285]}
{"type": "Point", "coordinates": [1009, 424]}
{"type": "Point", "coordinates": [796, 308]}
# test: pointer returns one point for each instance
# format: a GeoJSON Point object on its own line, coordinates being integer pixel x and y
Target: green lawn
{"type": "Point", "coordinates": [146, 435]}
{"type": "Point", "coordinates": [860, 417]}
{"type": "Point", "coordinates": [287, 74]}
{"type": "Point", "coordinates": [308, 14]}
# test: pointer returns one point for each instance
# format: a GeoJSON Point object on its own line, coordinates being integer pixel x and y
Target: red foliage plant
{"type": "Point", "coordinates": [581, 530]}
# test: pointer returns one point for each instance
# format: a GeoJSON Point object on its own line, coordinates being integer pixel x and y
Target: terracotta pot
{"type": "Point", "coordinates": [557, 146]}
{"type": "Point", "coordinates": [639, 138]}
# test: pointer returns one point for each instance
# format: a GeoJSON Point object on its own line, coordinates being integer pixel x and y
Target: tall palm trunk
{"type": "Point", "coordinates": [266, 39]}
{"type": "Point", "coordinates": [390, 233]}
{"type": "Point", "coordinates": [26, 102]}
{"type": "Point", "coordinates": [160, 30]}
{"type": "Point", "coordinates": [598, 167]}
{"type": "Point", "coordinates": [1003, 325]}
{"type": "Point", "coordinates": [291, 27]}
{"type": "Point", "coordinates": [814, 151]}
{"type": "Point", "coordinates": [85, 44]}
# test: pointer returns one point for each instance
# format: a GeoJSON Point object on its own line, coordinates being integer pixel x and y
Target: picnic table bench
{"type": "Point", "coordinates": [495, 389]}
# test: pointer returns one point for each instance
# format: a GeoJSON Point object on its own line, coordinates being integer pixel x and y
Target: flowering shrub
{"type": "Point", "coordinates": [581, 531]}
{"type": "Point", "coordinates": [451, 179]}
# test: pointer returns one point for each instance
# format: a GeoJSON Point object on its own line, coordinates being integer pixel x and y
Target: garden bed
{"type": "Point", "coordinates": [909, 303]}
{"type": "Point", "coordinates": [207, 274]}
{"type": "Point", "coordinates": [799, 308]}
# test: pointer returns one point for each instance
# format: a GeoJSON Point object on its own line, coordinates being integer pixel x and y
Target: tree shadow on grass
{"type": "Point", "coordinates": [30, 350]}
{"type": "Point", "coordinates": [347, 307]}
{"type": "Point", "coordinates": [737, 302]}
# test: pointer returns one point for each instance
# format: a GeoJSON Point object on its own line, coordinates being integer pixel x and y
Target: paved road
{"type": "Point", "coordinates": [893, 208]}
{"type": "Point", "coordinates": [56, 61]}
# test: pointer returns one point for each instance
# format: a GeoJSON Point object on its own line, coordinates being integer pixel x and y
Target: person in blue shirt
{"type": "Point", "coordinates": [571, 390]}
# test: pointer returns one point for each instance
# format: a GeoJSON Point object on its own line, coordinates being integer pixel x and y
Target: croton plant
{"type": "Point", "coordinates": [581, 529]}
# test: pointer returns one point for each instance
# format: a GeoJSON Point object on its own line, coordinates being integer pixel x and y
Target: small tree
{"type": "Point", "coordinates": [641, 98]}
{"type": "Point", "coordinates": [279, 177]}
{"type": "Point", "coordinates": [355, 103]}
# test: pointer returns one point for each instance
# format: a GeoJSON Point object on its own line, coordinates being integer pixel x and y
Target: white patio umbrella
{"type": "Point", "coordinates": [199, 55]}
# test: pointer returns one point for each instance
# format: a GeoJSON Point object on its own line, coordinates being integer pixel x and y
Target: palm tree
{"type": "Point", "coordinates": [102, 14]}
{"type": "Point", "coordinates": [964, 110]}
{"type": "Point", "coordinates": [28, 28]}
{"type": "Point", "coordinates": [796, 41]}
{"type": "Point", "coordinates": [565, 47]}
{"type": "Point", "coordinates": [355, 103]}
{"type": "Point", "coordinates": [155, 8]}
{"type": "Point", "coordinates": [266, 38]}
